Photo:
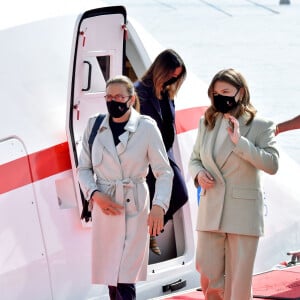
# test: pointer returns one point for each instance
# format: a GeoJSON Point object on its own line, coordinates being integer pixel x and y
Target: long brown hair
{"type": "Point", "coordinates": [161, 69]}
{"type": "Point", "coordinates": [237, 80]}
{"type": "Point", "coordinates": [121, 79]}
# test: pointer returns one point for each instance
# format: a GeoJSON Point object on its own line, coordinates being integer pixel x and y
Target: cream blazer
{"type": "Point", "coordinates": [235, 203]}
{"type": "Point", "coordinates": [120, 244]}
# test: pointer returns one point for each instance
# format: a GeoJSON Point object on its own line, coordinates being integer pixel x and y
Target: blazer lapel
{"type": "Point", "coordinates": [209, 140]}
{"type": "Point", "coordinates": [227, 146]}
{"type": "Point", "coordinates": [243, 127]}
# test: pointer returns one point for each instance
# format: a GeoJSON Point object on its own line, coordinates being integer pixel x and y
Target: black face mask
{"type": "Point", "coordinates": [170, 81]}
{"type": "Point", "coordinates": [117, 109]}
{"type": "Point", "coordinates": [224, 104]}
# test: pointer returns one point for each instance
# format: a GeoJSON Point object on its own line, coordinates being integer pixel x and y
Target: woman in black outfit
{"type": "Point", "coordinates": [156, 91]}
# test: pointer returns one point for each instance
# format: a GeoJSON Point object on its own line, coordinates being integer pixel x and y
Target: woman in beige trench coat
{"type": "Point", "coordinates": [112, 178]}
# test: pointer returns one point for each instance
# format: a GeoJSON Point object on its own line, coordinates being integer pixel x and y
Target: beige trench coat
{"type": "Point", "coordinates": [235, 203]}
{"type": "Point", "coordinates": [120, 246]}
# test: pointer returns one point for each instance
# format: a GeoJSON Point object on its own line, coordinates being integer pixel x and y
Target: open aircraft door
{"type": "Point", "coordinates": [97, 54]}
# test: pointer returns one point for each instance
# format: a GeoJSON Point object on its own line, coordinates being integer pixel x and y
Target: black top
{"type": "Point", "coordinates": [117, 129]}
{"type": "Point", "coordinates": [167, 129]}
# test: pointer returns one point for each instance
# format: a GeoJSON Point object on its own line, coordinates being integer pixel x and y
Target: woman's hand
{"type": "Point", "coordinates": [106, 204]}
{"type": "Point", "coordinates": [205, 180]}
{"type": "Point", "coordinates": [233, 129]}
{"type": "Point", "coordinates": [156, 220]}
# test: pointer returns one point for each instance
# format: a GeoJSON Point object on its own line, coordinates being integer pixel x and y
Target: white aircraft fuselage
{"type": "Point", "coordinates": [52, 79]}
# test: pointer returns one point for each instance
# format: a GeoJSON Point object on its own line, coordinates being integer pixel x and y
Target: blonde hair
{"type": "Point", "coordinates": [121, 79]}
{"type": "Point", "coordinates": [236, 79]}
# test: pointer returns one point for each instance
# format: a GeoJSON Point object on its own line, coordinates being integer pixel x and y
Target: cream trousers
{"type": "Point", "coordinates": [225, 262]}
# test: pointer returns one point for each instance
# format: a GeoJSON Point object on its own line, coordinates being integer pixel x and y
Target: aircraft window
{"type": "Point", "coordinates": [104, 63]}
{"type": "Point", "coordinates": [95, 73]}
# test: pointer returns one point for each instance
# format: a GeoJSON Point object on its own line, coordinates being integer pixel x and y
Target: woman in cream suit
{"type": "Point", "coordinates": [113, 178]}
{"type": "Point", "coordinates": [232, 148]}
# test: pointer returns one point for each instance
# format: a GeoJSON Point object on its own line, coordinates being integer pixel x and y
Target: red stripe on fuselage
{"type": "Point", "coordinates": [14, 174]}
{"type": "Point", "coordinates": [34, 167]}
{"type": "Point", "coordinates": [56, 159]}
{"type": "Point", "coordinates": [188, 119]}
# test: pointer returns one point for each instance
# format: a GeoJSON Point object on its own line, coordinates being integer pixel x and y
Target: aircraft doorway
{"type": "Point", "coordinates": [96, 60]}
{"type": "Point", "coordinates": [172, 240]}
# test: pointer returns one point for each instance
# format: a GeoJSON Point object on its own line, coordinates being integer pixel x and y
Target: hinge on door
{"type": "Point", "coordinates": [82, 33]}
{"type": "Point", "coordinates": [76, 107]}
{"type": "Point", "coordinates": [124, 27]}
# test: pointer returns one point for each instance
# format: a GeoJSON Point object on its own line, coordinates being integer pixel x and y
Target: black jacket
{"type": "Point", "coordinates": [150, 106]}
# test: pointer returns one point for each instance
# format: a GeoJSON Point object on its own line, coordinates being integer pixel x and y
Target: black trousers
{"type": "Point", "coordinates": [123, 291]}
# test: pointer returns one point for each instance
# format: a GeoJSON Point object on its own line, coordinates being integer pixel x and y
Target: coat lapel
{"type": "Point", "coordinates": [130, 128]}
{"type": "Point", "coordinates": [106, 139]}
{"type": "Point", "coordinates": [121, 147]}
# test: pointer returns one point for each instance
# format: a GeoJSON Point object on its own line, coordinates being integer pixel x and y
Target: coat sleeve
{"type": "Point", "coordinates": [160, 166]}
{"type": "Point", "coordinates": [85, 172]}
{"type": "Point", "coordinates": [261, 152]}
{"type": "Point", "coordinates": [195, 162]}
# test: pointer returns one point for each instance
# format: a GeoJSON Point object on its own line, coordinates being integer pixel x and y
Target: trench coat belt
{"type": "Point", "coordinates": [120, 184]}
